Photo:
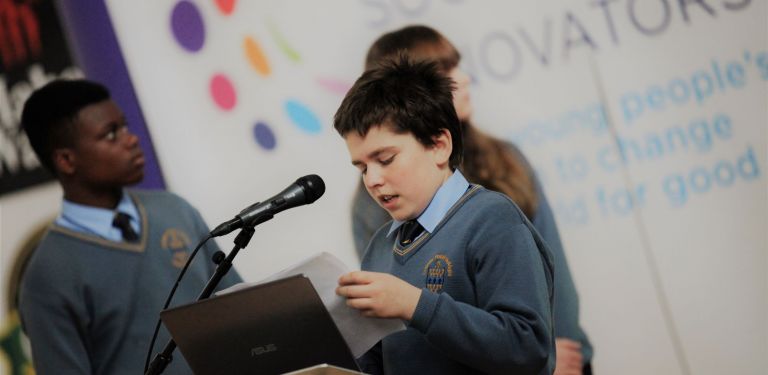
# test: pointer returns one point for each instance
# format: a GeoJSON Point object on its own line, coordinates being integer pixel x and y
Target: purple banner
{"type": "Point", "coordinates": [98, 54]}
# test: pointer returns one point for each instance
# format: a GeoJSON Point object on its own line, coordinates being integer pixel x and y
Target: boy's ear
{"type": "Point", "coordinates": [443, 146]}
{"type": "Point", "coordinates": [64, 160]}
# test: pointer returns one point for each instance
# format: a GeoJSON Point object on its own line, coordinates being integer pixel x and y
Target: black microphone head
{"type": "Point", "coordinates": [313, 186]}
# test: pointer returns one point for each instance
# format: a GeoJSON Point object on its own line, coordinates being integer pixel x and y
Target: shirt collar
{"type": "Point", "coordinates": [446, 196]}
{"type": "Point", "coordinates": [97, 220]}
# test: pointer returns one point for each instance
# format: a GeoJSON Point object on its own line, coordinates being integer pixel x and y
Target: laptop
{"type": "Point", "coordinates": [272, 328]}
{"type": "Point", "coordinates": [325, 369]}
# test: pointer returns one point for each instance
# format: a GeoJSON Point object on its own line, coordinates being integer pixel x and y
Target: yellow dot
{"type": "Point", "coordinates": [256, 56]}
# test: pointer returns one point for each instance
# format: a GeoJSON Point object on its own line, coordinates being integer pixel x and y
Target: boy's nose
{"type": "Point", "coordinates": [131, 139]}
{"type": "Point", "coordinates": [461, 77]}
{"type": "Point", "coordinates": [373, 178]}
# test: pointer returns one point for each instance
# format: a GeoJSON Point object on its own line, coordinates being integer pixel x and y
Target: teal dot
{"type": "Point", "coordinates": [303, 117]}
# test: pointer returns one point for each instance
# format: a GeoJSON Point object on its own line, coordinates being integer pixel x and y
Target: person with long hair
{"type": "Point", "coordinates": [494, 164]}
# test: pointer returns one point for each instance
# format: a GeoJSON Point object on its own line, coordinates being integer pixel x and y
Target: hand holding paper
{"type": "Point", "coordinates": [379, 295]}
{"type": "Point", "coordinates": [360, 332]}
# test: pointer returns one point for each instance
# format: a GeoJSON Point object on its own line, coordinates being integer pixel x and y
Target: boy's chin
{"type": "Point", "coordinates": [135, 180]}
{"type": "Point", "coordinates": [393, 215]}
{"type": "Point", "coordinates": [400, 216]}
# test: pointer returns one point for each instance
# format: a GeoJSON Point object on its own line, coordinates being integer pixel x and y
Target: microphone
{"type": "Point", "coordinates": [304, 191]}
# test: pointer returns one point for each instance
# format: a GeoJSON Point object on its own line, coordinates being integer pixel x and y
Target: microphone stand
{"type": "Point", "coordinates": [162, 359]}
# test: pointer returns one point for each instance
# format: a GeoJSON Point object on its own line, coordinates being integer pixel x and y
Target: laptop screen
{"type": "Point", "coordinates": [272, 328]}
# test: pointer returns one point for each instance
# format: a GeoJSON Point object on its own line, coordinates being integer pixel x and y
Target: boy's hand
{"type": "Point", "coordinates": [379, 295]}
{"type": "Point", "coordinates": [568, 357]}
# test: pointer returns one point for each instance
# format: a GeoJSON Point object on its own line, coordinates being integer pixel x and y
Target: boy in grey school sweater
{"type": "Point", "coordinates": [461, 265]}
{"type": "Point", "coordinates": [95, 285]}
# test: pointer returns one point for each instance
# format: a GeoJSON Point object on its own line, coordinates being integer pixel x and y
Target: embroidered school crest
{"type": "Point", "coordinates": [177, 242]}
{"type": "Point", "coordinates": [437, 271]}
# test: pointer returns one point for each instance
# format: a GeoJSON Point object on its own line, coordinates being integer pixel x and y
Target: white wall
{"type": "Point", "coordinates": [666, 250]}
{"type": "Point", "coordinates": [20, 214]}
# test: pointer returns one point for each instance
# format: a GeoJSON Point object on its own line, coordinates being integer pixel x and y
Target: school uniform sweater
{"type": "Point", "coordinates": [367, 216]}
{"type": "Point", "coordinates": [486, 304]}
{"type": "Point", "coordinates": [89, 305]}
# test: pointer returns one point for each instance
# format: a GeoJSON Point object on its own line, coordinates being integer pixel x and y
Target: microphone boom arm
{"type": "Point", "coordinates": [162, 359]}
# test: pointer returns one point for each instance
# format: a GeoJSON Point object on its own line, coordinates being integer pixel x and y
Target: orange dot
{"type": "Point", "coordinates": [256, 56]}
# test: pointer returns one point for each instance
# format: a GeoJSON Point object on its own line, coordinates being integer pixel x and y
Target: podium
{"type": "Point", "coordinates": [272, 328]}
{"type": "Point", "coordinates": [324, 369]}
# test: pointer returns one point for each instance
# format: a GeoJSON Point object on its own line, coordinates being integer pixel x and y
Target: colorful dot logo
{"type": "Point", "coordinates": [187, 26]}
{"type": "Point", "coordinates": [256, 56]}
{"type": "Point", "coordinates": [189, 31]}
{"type": "Point", "coordinates": [264, 136]}
{"type": "Point", "coordinates": [226, 6]}
{"type": "Point", "coordinates": [222, 92]}
{"type": "Point", "coordinates": [302, 117]}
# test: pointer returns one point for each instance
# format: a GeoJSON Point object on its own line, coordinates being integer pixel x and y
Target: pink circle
{"type": "Point", "coordinates": [223, 92]}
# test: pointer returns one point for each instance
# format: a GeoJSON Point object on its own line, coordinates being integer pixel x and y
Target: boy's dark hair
{"type": "Point", "coordinates": [410, 97]}
{"type": "Point", "coordinates": [49, 114]}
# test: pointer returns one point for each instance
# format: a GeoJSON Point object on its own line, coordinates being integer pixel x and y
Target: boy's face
{"type": "Point", "coordinates": [104, 155]}
{"type": "Point", "coordinates": [400, 173]}
{"type": "Point", "coordinates": [461, 98]}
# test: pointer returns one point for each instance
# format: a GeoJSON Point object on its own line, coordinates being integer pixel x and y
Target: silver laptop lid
{"type": "Point", "coordinates": [272, 328]}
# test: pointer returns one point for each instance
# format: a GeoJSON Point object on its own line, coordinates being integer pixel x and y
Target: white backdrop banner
{"type": "Point", "coordinates": [646, 121]}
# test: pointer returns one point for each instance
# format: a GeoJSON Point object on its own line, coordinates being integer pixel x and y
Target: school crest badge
{"type": "Point", "coordinates": [177, 242]}
{"type": "Point", "coordinates": [437, 271]}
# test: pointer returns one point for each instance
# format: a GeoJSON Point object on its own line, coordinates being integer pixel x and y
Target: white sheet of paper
{"type": "Point", "coordinates": [323, 270]}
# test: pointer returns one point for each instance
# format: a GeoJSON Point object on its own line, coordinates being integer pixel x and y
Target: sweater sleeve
{"type": "Point", "coordinates": [508, 330]}
{"type": "Point", "coordinates": [544, 222]}
{"type": "Point", "coordinates": [371, 362]}
{"type": "Point", "coordinates": [201, 229]}
{"type": "Point", "coordinates": [55, 324]}
{"type": "Point", "coordinates": [566, 306]}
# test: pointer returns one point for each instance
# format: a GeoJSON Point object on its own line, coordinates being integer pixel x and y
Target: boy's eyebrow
{"type": "Point", "coordinates": [118, 121]}
{"type": "Point", "coordinates": [373, 154]}
{"type": "Point", "coordinates": [107, 126]}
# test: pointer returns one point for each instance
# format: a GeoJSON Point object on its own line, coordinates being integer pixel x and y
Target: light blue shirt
{"type": "Point", "coordinates": [447, 195]}
{"type": "Point", "coordinates": [96, 220]}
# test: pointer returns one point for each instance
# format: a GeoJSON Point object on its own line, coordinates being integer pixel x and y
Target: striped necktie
{"type": "Point", "coordinates": [409, 231]}
{"type": "Point", "coordinates": [123, 222]}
